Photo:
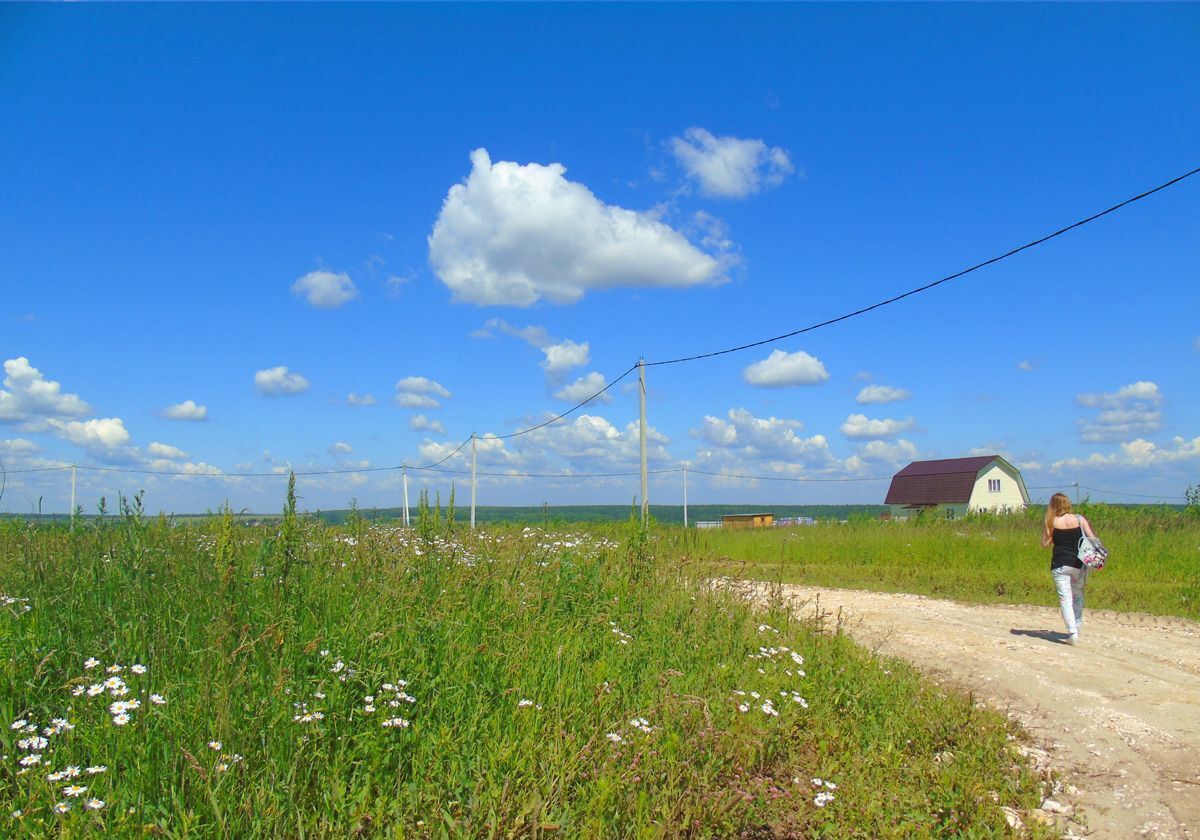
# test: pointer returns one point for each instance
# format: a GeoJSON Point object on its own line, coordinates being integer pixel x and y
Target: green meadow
{"type": "Point", "coordinates": [209, 679]}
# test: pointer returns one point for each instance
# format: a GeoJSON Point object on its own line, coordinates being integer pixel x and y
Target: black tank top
{"type": "Point", "coordinates": [1066, 548]}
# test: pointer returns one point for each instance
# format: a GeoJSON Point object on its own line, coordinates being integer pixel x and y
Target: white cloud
{"type": "Point", "coordinates": [407, 400]}
{"type": "Point", "coordinates": [758, 438]}
{"type": "Point", "coordinates": [165, 450]}
{"type": "Point", "coordinates": [513, 235]}
{"type": "Point", "coordinates": [18, 446]}
{"type": "Point", "coordinates": [1027, 366]}
{"type": "Point", "coordinates": [730, 167]}
{"type": "Point", "coordinates": [860, 426]}
{"type": "Point", "coordinates": [325, 290]}
{"type": "Point", "coordinates": [782, 370]}
{"type": "Point", "coordinates": [534, 335]}
{"type": "Point", "coordinates": [422, 385]}
{"type": "Point", "coordinates": [30, 395]}
{"type": "Point", "coordinates": [338, 449]}
{"type": "Point", "coordinates": [584, 387]}
{"type": "Point", "coordinates": [1136, 454]}
{"type": "Point", "coordinates": [359, 399]}
{"type": "Point", "coordinates": [879, 394]}
{"type": "Point", "coordinates": [1132, 410]}
{"type": "Point", "coordinates": [186, 410]}
{"type": "Point", "coordinates": [563, 356]}
{"type": "Point", "coordinates": [279, 382]}
{"type": "Point", "coordinates": [421, 423]}
{"type": "Point", "coordinates": [104, 434]}
{"type": "Point", "coordinates": [877, 453]}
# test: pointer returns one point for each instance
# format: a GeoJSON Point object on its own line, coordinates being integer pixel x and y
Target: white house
{"type": "Point", "coordinates": [956, 486]}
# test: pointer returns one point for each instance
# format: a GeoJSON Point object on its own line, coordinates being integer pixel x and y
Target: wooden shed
{"type": "Point", "coordinates": [748, 520]}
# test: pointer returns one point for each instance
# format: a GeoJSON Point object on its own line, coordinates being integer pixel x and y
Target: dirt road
{"type": "Point", "coordinates": [1118, 715]}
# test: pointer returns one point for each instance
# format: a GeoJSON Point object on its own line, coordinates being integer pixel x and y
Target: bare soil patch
{"type": "Point", "coordinates": [1118, 716]}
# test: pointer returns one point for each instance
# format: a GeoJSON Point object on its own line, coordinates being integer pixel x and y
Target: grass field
{"type": "Point", "coordinates": [213, 680]}
{"type": "Point", "coordinates": [1154, 565]}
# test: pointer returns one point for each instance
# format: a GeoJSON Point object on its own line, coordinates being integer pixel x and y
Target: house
{"type": "Point", "coordinates": [747, 520]}
{"type": "Point", "coordinates": [957, 486]}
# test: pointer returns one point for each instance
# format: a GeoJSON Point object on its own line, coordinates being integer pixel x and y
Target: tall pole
{"type": "Point", "coordinates": [685, 497]}
{"type": "Point", "coordinates": [472, 481]}
{"type": "Point", "coordinates": [405, 497]}
{"type": "Point", "coordinates": [72, 495]}
{"type": "Point", "coordinates": [1076, 493]}
{"type": "Point", "coordinates": [642, 437]}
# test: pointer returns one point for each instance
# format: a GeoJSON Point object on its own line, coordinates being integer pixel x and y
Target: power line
{"type": "Point", "coordinates": [786, 478]}
{"type": "Point", "coordinates": [571, 410]}
{"type": "Point", "coordinates": [928, 286]}
{"type": "Point", "coordinates": [1136, 495]}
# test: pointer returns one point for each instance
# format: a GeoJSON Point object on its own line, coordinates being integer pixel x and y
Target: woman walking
{"type": "Point", "coordinates": [1063, 530]}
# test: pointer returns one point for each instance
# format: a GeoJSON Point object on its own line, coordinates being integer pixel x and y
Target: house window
{"type": "Point", "coordinates": [993, 485]}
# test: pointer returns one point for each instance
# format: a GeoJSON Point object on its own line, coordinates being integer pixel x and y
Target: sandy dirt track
{"type": "Point", "coordinates": [1118, 716]}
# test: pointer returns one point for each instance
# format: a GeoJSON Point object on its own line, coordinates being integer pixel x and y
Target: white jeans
{"type": "Point", "coordinates": [1069, 583]}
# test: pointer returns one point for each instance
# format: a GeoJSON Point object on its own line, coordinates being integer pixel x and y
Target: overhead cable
{"type": "Point", "coordinates": [928, 286]}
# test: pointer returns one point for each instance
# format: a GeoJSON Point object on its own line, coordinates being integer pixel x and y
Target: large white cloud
{"type": "Point", "coordinates": [783, 370]}
{"type": "Point", "coordinates": [103, 434]}
{"type": "Point", "coordinates": [325, 290]}
{"type": "Point", "coordinates": [1130, 411]}
{"type": "Point", "coordinates": [27, 395]}
{"type": "Point", "coordinates": [880, 394]}
{"type": "Point", "coordinates": [730, 167]}
{"type": "Point", "coordinates": [186, 410]}
{"type": "Point", "coordinates": [758, 438]}
{"type": "Point", "coordinates": [862, 427]}
{"type": "Point", "coordinates": [878, 453]}
{"type": "Point", "coordinates": [584, 387]}
{"type": "Point", "coordinates": [513, 235]}
{"type": "Point", "coordinates": [279, 382]}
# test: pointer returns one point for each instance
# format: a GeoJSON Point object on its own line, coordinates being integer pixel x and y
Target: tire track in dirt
{"type": "Point", "coordinates": [1118, 716]}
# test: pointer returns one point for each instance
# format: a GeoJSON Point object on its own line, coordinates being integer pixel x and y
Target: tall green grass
{"type": "Point", "coordinates": [1154, 565]}
{"type": "Point", "coordinates": [537, 683]}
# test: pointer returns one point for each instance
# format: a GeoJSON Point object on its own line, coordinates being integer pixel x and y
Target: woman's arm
{"type": "Point", "coordinates": [1047, 538]}
{"type": "Point", "coordinates": [1087, 528]}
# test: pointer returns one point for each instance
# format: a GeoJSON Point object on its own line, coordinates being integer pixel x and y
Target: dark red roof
{"type": "Point", "coordinates": [948, 481]}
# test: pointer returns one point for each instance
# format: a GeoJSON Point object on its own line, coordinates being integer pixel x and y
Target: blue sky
{"type": "Point", "coordinates": [219, 223]}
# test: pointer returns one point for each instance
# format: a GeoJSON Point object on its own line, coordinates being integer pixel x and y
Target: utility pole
{"type": "Point", "coordinates": [405, 470]}
{"type": "Point", "coordinates": [642, 437]}
{"type": "Point", "coordinates": [685, 497]}
{"type": "Point", "coordinates": [1077, 494]}
{"type": "Point", "coordinates": [472, 481]}
{"type": "Point", "coordinates": [72, 497]}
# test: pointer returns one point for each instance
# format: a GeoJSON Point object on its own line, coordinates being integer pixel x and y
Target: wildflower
{"type": "Point", "coordinates": [62, 807]}
{"type": "Point", "coordinates": [822, 799]}
{"type": "Point", "coordinates": [370, 698]}
{"type": "Point", "coordinates": [138, 669]}
{"type": "Point", "coordinates": [215, 745]}
{"type": "Point", "coordinates": [94, 804]}
{"type": "Point", "coordinates": [17, 724]}
{"type": "Point", "coordinates": [31, 759]}
{"type": "Point", "coordinates": [114, 668]}
{"type": "Point", "coordinates": [121, 719]}
{"type": "Point", "coordinates": [74, 790]}
{"type": "Point", "coordinates": [320, 695]}
{"type": "Point", "coordinates": [743, 707]}
{"type": "Point", "coordinates": [158, 700]}
{"type": "Point", "coordinates": [222, 767]}
{"type": "Point", "coordinates": [17, 814]}
{"type": "Point", "coordinates": [62, 724]}
{"type": "Point", "coordinates": [642, 724]}
{"type": "Point", "coordinates": [337, 666]}
{"type": "Point", "coordinates": [113, 682]}
{"type": "Point", "coordinates": [71, 772]}
{"type": "Point", "coordinates": [395, 722]}
{"type": "Point", "coordinates": [93, 690]}
{"type": "Point", "coordinates": [368, 708]}
{"type": "Point", "coordinates": [524, 704]}
{"type": "Point", "coordinates": [614, 737]}
{"type": "Point", "coordinates": [90, 663]}
{"type": "Point", "coordinates": [56, 777]}
{"type": "Point", "coordinates": [769, 708]}
{"type": "Point", "coordinates": [797, 658]}
{"type": "Point", "coordinates": [33, 743]}
{"type": "Point", "coordinates": [96, 768]}
{"type": "Point", "coordinates": [78, 690]}
{"type": "Point", "coordinates": [325, 652]}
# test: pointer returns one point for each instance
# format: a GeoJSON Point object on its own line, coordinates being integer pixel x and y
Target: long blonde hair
{"type": "Point", "coordinates": [1059, 505]}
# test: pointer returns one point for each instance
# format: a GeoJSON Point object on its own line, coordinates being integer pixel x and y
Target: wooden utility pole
{"type": "Point", "coordinates": [642, 437]}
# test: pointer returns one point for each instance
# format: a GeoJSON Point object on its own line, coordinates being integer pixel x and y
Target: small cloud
{"type": "Point", "coordinates": [1130, 411]}
{"type": "Point", "coordinates": [394, 284]}
{"type": "Point", "coordinates": [1027, 365]}
{"type": "Point", "coordinates": [279, 382]}
{"type": "Point", "coordinates": [783, 370]}
{"type": "Point", "coordinates": [864, 376]}
{"type": "Point", "coordinates": [860, 426]}
{"type": "Point", "coordinates": [421, 423]}
{"type": "Point", "coordinates": [729, 167]}
{"type": "Point", "coordinates": [421, 385]}
{"type": "Point", "coordinates": [325, 290]}
{"type": "Point", "coordinates": [339, 449]}
{"type": "Point", "coordinates": [165, 450]}
{"type": "Point", "coordinates": [584, 387]}
{"type": "Point", "coordinates": [880, 394]}
{"type": "Point", "coordinates": [186, 410]}
{"type": "Point", "coordinates": [359, 399]}
{"type": "Point", "coordinates": [563, 356]}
